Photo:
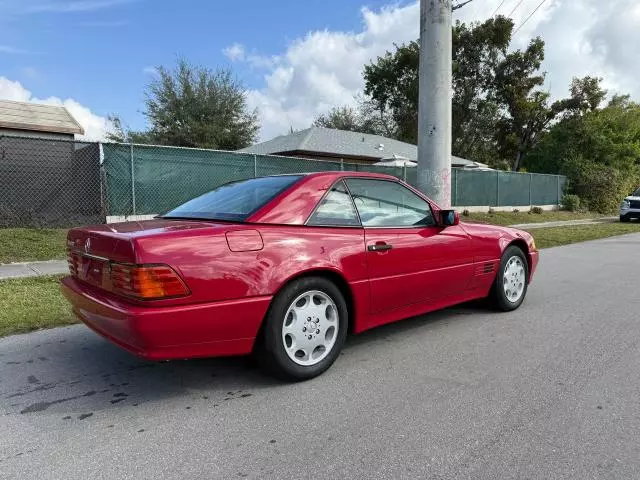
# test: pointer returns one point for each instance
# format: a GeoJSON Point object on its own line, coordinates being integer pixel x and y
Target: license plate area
{"type": "Point", "coordinates": [89, 269]}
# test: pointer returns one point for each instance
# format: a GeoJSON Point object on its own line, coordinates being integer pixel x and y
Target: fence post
{"type": "Point", "coordinates": [530, 190]}
{"type": "Point", "coordinates": [255, 166]}
{"type": "Point", "coordinates": [133, 181]}
{"type": "Point", "coordinates": [404, 172]}
{"type": "Point", "coordinates": [454, 200]}
{"type": "Point", "coordinates": [497, 188]}
{"type": "Point", "coordinates": [558, 189]}
{"type": "Point", "coordinates": [341, 165]}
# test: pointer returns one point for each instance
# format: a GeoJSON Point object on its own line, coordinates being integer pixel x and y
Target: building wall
{"type": "Point", "coordinates": [36, 134]}
{"type": "Point", "coordinates": [49, 183]}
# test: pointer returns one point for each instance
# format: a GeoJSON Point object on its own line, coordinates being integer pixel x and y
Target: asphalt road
{"type": "Point", "coordinates": [550, 391]}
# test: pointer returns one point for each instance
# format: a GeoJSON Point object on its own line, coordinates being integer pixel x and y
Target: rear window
{"type": "Point", "coordinates": [234, 201]}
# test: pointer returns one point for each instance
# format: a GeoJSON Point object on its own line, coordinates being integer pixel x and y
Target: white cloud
{"type": "Point", "coordinates": [324, 68]}
{"type": "Point", "coordinates": [30, 72]}
{"type": "Point", "coordinates": [74, 6]}
{"type": "Point", "coordinates": [153, 71]}
{"type": "Point", "coordinates": [234, 52]}
{"type": "Point", "coordinates": [11, 50]}
{"type": "Point", "coordinates": [95, 126]}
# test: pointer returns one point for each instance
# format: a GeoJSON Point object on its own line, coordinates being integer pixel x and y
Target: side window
{"type": "Point", "coordinates": [383, 203]}
{"type": "Point", "coordinates": [336, 209]}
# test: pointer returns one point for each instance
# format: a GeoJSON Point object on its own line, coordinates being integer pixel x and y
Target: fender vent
{"type": "Point", "coordinates": [484, 268]}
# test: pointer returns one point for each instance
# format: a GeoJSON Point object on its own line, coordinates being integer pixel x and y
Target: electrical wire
{"type": "Point", "coordinates": [460, 5]}
{"type": "Point", "coordinates": [515, 8]}
{"type": "Point", "coordinates": [499, 6]}
{"type": "Point", "coordinates": [530, 15]}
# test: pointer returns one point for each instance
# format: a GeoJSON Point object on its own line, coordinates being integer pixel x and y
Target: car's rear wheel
{"type": "Point", "coordinates": [510, 286]}
{"type": "Point", "coordinates": [305, 329]}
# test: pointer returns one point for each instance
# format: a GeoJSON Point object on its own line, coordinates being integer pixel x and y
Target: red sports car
{"type": "Point", "coordinates": [284, 266]}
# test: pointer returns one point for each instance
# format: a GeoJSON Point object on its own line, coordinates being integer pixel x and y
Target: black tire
{"type": "Point", "coordinates": [271, 349]}
{"type": "Point", "coordinates": [625, 218]}
{"type": "Point", "coordinates": [498, 297]}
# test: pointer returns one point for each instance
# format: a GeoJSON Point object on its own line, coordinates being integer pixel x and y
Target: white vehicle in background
{"type": "Point", "coordinates": [630, 207]}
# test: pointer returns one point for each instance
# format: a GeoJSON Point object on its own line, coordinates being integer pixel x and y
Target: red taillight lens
{"type": "Point", "coordinates": [147, 282]}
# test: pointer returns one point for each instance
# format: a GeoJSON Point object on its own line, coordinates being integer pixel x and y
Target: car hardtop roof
{"type": "Point", "coordinates": [340, 173]}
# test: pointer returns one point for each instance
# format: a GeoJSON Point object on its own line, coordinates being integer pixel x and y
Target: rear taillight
{"type": "Point", "coordinates": [147, 282]}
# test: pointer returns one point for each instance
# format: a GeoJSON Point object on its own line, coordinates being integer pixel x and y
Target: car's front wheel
{"type": "Point", "coordinates": [305, 329]}
{"type": "Point", "coordinates": [510, 286]}
{"type": "Point", "coordinates": [624, 218]}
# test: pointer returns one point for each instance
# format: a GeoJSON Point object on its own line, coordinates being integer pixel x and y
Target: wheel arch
{"type": "Point", "coordinates": [333, 276]}
{"type": "Point", "coordinates": [522, 245]}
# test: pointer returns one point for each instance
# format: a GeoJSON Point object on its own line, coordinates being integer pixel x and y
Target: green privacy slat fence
{"type": "Point", "coordinates": [143, 180]}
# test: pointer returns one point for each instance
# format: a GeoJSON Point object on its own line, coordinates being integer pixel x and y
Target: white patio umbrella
{"type": "Point", "coordinates": [396, 161]}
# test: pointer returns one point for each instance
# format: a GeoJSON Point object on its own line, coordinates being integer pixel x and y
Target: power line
{"type": "Point", "coordinates": [515, 8]}
{"type": "Point", "coordinates": [531, 15]}
{"type": "Point", "coordinates": [499, 6]}
{"type": "Point", "coordinates": [460, 5]}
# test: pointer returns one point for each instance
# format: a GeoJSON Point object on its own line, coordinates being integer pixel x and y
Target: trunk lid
{"type": "Point", "coordinates": [91, 250]}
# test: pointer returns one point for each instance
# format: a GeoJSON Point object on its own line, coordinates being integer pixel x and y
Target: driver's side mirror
{"type": "Point", "coordinates": [449, 218]}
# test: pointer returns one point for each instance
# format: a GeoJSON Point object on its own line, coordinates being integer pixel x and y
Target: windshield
{"type": "Point", "coordinates": [636, 193]}
{"type": "Point", "coordinates": [234, 201]}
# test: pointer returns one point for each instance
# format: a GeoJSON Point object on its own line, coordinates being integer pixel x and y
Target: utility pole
{"type": "Point", "coordinates": [434, 106]}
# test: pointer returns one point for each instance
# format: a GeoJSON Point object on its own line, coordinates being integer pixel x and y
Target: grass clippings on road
{"type": "Point", "coordinates": [28, 304]}
{"type": "Point", "coordinates": [547, 237]}
{"type": "Point", "coordinates": [515, 218]}
{"type": "Point", "coordinates": [32, 244]}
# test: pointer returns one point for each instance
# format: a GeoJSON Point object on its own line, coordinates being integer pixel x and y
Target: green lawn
{"type": "Point", "coordinates": [30, 244]}
{"type": "Point", "coordinates": [511, 218]}
{"type": "Point", "coordinates": [555, 236]}
{"type": "Point", "coordinates": [28, 304]}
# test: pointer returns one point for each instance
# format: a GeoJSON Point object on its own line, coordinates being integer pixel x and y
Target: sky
{"type": "Point", "coordinates": [296, 58]}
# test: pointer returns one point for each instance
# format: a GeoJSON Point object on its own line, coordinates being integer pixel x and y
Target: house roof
{"type": "Point", "coordinates": [37, 117]}
{"type": "Point", "coordinates": [336, 143]}
{"type": "Point", "coordinates": [329, 141]}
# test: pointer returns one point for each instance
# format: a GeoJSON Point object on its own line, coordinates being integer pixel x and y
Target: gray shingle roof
{"type": "Point", "coordinates": [335, 142]}
{"type": "Point", "coordinates": [342, 143]}
{"type": "Point", "coordinates": [36, 117]}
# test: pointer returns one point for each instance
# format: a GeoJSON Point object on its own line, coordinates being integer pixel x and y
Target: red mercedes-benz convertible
{"type": "Point", "coordinates": [284, 266]}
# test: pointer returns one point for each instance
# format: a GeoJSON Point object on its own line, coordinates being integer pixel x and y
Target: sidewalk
{"type": "Point", "coordinates": [33, 269]}
{"type": "Point", "coordinates": [565, 223]}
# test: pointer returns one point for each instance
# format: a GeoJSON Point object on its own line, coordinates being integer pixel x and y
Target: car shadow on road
{"type": "Point", "coordinates": [80, 371]}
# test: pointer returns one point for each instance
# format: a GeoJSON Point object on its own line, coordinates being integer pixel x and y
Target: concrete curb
{"type": "Point", "coordinates": [33, 269]}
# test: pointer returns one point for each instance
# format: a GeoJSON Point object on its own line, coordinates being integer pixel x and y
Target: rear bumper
{"type": "Point", "coordinates": [534, 257]}
{"type": "Point", "coordinates": [160, 333]}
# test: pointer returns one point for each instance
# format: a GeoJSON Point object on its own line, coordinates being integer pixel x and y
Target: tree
{"type": "Point", "coordinates": [196, 107]}
{"type": "Point", "coordinates": [120, 133]}
{"type": "Point", "coordinates": [341, 118]}
{"type": "Point", "coordinates": [599, 151]}
{"type": "Point", "coordinates": [479, 53]}
{"type": "Point", "coordinates": [364, 118]}
{"type": "Point", "coordinates": [392, 84]}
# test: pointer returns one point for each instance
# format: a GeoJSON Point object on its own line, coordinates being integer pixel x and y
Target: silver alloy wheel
{"type": "Point", "coordinates": [310, 328]}
{"type": "Point", "coordinates": [514, 279]}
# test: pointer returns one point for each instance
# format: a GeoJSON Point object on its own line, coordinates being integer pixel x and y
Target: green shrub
{"type": "Point", "coordinates": [466, 212]}
{"type": "Point", "coordinates": [571, 202]}
{"type": "Point", "coordinates": [536, 210]}
{"type": "Point", "coordinates": [600, 187]}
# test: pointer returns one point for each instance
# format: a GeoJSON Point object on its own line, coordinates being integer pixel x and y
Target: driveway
{"type": "Point", "coordinates": [549, 391]}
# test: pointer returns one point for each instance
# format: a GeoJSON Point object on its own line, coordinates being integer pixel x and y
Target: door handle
{"type": "Point", "coordinates": [379, 247]}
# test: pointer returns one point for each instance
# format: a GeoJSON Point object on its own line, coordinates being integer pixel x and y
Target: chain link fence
{"type": "Point", "coordinates": [49, 182]}
{"type": "Point", "coordinates": [62, 183]}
